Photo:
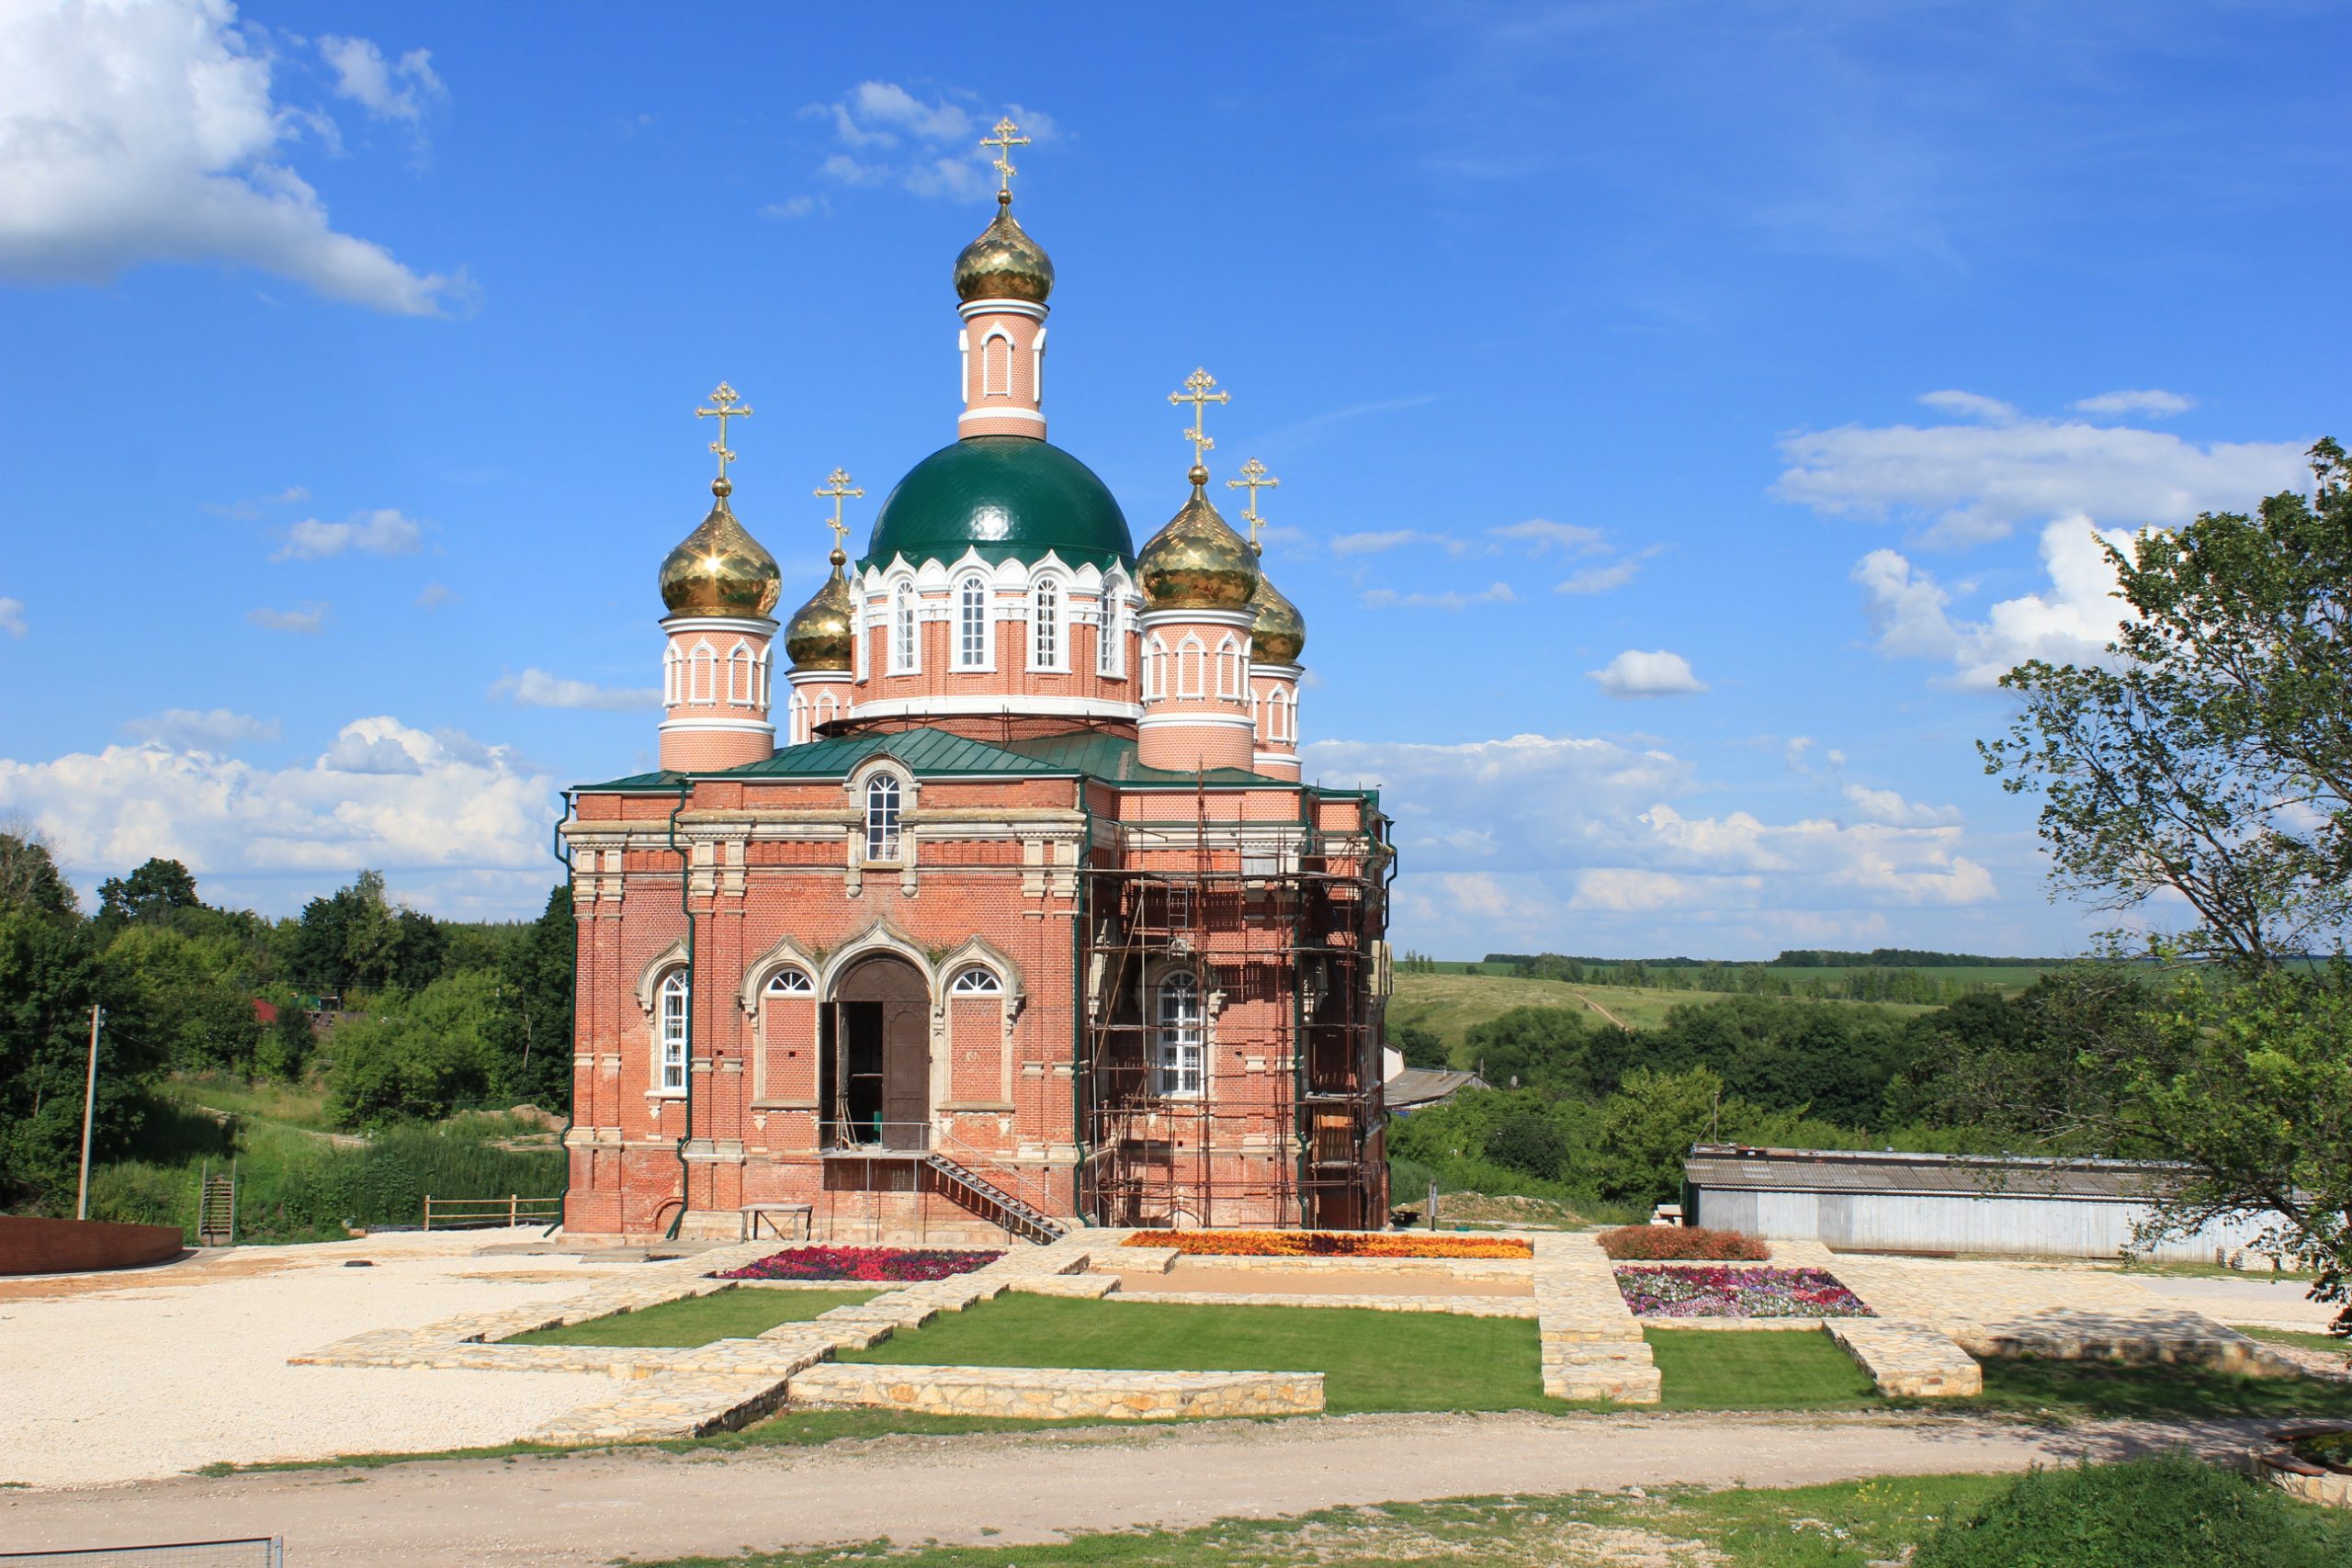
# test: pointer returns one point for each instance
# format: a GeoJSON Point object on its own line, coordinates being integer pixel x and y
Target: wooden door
{"type": "Point", "coordinates": [895, 989]}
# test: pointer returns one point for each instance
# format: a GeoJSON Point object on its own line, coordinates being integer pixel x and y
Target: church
{"type": "Point", "coordinates": [1025, 919]}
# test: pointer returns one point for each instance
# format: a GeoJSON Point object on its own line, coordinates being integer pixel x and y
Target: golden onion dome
{"type": "Point", "coordinates": [1197, 562]}
{"type": "Point", "coordinates": [1004, 262]}
{"type": "Point", "coordinates": [720, 570]}
{"type": "Point", "coordinates": [819, 636]}
{"type": "Point", "coordinates": [1281, 636]}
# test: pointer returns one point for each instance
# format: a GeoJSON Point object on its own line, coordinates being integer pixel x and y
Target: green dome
{"type": "Point", "coordinates": [1008, 497]}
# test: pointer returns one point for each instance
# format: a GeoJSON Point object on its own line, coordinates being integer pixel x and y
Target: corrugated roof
{"type": "Point", "coordinates": [1416, 1087]}
{"type": "Point", "coordinates": [925, 752]}
{"type": "Point", "coordinates": [1114, 757]}
{"type": "Point", "coordinates": [1864, 1171]}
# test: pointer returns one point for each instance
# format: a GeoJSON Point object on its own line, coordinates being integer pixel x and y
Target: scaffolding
{"type": "Point", "coordinates": [1284, 925]}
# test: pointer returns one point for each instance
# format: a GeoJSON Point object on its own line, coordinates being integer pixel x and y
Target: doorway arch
{"type": "Point", "coordinates": [877, 1044]}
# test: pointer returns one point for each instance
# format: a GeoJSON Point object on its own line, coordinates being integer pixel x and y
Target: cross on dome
{"type": "Point", "coordinates": [1004, 139]}
{"type": "Point", "coordinates": [1196, 393]}
{"type": "Point", "coordinates": [837, 485]}
{"type": "Point", "coordinates": [1255, 477]}
{"type": "Point", "coordinates": [726, 397]}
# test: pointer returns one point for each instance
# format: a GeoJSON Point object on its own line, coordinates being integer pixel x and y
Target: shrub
{"type": "Point", "coordinates": [2170, 1511]}
{"type": "Point", "coordinates": [1693, 1243]}
{"type": "Point", "coordinates": [1531, 1143]}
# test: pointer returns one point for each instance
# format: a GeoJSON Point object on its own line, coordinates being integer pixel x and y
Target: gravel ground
{"type": "Point", "coordinates": [141, 1375]}
{"type": "Point", "coordinates": [2266, 1302]}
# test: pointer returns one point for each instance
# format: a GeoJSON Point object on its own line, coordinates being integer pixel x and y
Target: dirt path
{"type": "Point", "coordinates": [1012, 1490]}
{"type": "Point", "coordinates": [1599, 1009]}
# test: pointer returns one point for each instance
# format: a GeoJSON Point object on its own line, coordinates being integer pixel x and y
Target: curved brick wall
{"type": "Point", "coordinates": [30, 1245]}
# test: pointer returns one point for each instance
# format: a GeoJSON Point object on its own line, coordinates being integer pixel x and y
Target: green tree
{"type": "Point", "coordinates": [1421, 1046]}
{"type": "Point", "coordinates": [154, 891]}
{"type": "Point", "coordinates": [421, 1056]}
{"type": "Point", "coordinates": [1531, 1046]}
{"type": "Point", "coordinates": [29, 875]}
{"type": "Point", "coordinates": [1649, 1125]}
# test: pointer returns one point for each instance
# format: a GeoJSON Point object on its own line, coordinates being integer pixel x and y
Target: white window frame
{"type": "Point", "coordinates": [702, 673]}
{"type": "Point", "coordinates": [789, 981]}
{"type": "Point", "coordinates": [742, 679]}
{"type": "Point", "coordinates": [975, 980]}
{"type": "Point", "coordinates": [885, 818]}
{"type": "Point", "coordinates": [673, 1003]}
{"type": "Point", "coordinates": [673, 675]}
{"type": "Point", "coordinates": [906, 630]}
{"type": "Point", "coordinates": [1048, 628]}
{"type": "Point", "coordinates": [1230, 680]}
{"type": "Point", "coordinates": [974, 622]}
{"type": "Point", "coordinates": [992, 384]}
{"type": "Point", "coordinates": [825, 710]}
{"type": "Point", "coordinates": [1154, 668]}
{"type": "Point", "coordinates": [1111, 650]}
{"type": "Point", "coordinates": [1178, 1037]}
{"type": "Point", "coordinates": [1192, 666]}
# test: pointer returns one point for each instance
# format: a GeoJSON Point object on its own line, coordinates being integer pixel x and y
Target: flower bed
{"type": "Point", "coordinates": [1330, 1243]}
{"type": "Point", "coordinates": [878, 1265]}
{"type": "Point", "coordinates": [1737, 1293]}
{"type": "Point", "coordinates": [1693, 1242]}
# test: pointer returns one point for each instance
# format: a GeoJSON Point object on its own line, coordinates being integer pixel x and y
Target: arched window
{"type": "Point", "coordinates": [1176, 1035]}
{"type": "Point", "coordinates": [790, 983]}
{"type": "Point", "coordinates": [903, 630]}
{"type": "Point", "coordinates": [882, 817]}
{"type": "Point", "coordinates": [766, 672]}
{"type": "Point", "coordinates": [672, 676]}
{"type": "Point", "coordinates": [742, 687]}
{"type": "Point", "coordinates": [1111, 650]}
{"type": "Point", "coordinates": [704, 686]}
{"type": "Point", "coordinates": [1228, 668]}
{"type": "Point", "coordinates": [1282, 716]}
{"type": "Point", "coordinates": [1190, 657]}
{"type": "Point", "coordinates": [827, 709]}
{"type": "Point", "coordinates": [996, 366]}
{"type": "Point", "coordinates": [975, 981]}
{"type": "Point", "coordinates": [797, 719]}
{"type": "Point", "coordinates": [972, 624]}
{"type": "Point", "coordinates": [671, 1024]}
{"type": "Point", "coordinates": [1154, 668]}
{"type": "Point", "coordinates": [1045, 626]}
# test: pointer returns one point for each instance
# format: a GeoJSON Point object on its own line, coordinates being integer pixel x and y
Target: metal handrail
{"type": "Point", "coordinates": [1042, 1203]}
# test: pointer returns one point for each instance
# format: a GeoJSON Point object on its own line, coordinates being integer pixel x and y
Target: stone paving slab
{"type": "Point", "coordinates": [1457, 1306]}
{"type": "Point", "coordinates": [1085, 1286]}
{"type": "Point", "coordinates": [1908, 1360]}
{"type": "Point", "coordinates": [1058, 1394]}
{"type": "Point", "coordinates": [1159, 1259]}
{"type": "Point", "coordinates": [1593, 1345]}
{"type": "Point", "coordinates": [673, 1404]}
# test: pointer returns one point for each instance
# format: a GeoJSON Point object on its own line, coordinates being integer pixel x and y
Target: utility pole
{"type": "Point", "coordinates": [89, 1110]}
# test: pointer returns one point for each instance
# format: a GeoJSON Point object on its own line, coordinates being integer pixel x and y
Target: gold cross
{"type": "Point", "coordinates": [1004, 140]}
{"type": "Point", "coordinates": [1255, 477]}
{"type": "Point", "coordinates": [726, 398]}
{"type": "Point", "coordinates": [837, 486]}
{"type": "Point", "coordinates": [1196, 393]}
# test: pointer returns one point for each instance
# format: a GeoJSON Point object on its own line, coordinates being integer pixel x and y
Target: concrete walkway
{"type": "Point", "coordinates": [1016, 1489]}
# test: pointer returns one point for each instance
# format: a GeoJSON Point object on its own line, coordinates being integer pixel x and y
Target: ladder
{"type": "Point", "coordinates": [216, 1208]}
{"type": "Point", "coordinates": [975, 1192]}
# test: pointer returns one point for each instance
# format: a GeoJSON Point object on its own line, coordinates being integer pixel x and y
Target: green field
{"type": "Point", "coordinates": [1450, 1004]}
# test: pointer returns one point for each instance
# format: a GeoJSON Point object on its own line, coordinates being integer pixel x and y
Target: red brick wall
{"type": "Point", "coordinates": [30, 1246]}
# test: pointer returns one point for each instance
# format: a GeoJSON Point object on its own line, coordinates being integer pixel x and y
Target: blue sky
{"type": "Point", "coordinates": [1684, 411]}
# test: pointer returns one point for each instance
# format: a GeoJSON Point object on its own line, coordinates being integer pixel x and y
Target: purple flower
{"type": "Point", "coordinates": [1718, 1291]}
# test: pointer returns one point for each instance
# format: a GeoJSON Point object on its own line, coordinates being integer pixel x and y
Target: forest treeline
{"type": "Point", "coordinates": [429, 1016]}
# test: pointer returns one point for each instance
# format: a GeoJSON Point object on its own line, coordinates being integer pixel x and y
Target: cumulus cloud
{"type": "Point", "coordinates": [1598, 578]}
{"type": "Point", "coordinates": [2154, 401]}
{"type": "Point", "coordinates": [537, 689]}
{"type": "Point", "coordinates": [795, 207]}
{"type": "Point", "coordinates": [131, 134]}
{"type": "Point", "coordinates": [402, 89]}
{"type": "Point", "coordinates": [1388, 598]}
{"type": "Point", "coordinates": [1383, 540]}
{"type": "Point", "coordinates": [1888, 805]}
{"type": "Point", "coordinates": [466, 822]}
{"type": "Point", "coordinates": [888, 136]}
{"type": "Point", "coordinates": [307, 620]}
{"type": "Point", "coordinates": [250, 509]}
{"type": "Point", "coordinates": [12, 616]}
{"type": "Point", "coordinates": [383, 532]}
{"type": "Point", "coordinates": [1979, 480]}
{"type": "Point", "coordinates": [207, 728]}
{"type": "Point", "coordinates": [1541, 535]}
{"type": "Point", "coordinates": [1971, 405]}
{"type": "Point", "coordinates": [435, 596]}
{"type": "Point", "coordinates": [2070, 622]}
{"type": "Point", "coordinates": [1633, 673]}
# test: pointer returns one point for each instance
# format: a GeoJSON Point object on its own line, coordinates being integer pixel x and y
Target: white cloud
{"type": "Point", "coordinates": [795, 207]}
{"type": "Point", "coordinates": [537, 689]}
{"type": "Point", "coordinates": [1543, 534]}
{"type": "Point", "coordinates": [12, 616]}
{"type": "Point", "coordinates": [1889, 807]}
{"type": "Point", "coordinates": [400, 89]}
{"type": "Point", "coordinates": [250, 508]}
{"type": "Point", "coordinates": [1971, 405]}
{"type": "Point", "coordinates": [1598, 578]}
{"type": "Point", "coordinates": [383, 532]}
{"type": "Point", "coordinates": [1388, 598]}
{"type": "Point", "coordinates": [1633, 673]}
{"type": "Point", "coordinates": [1975, 481]}
{"type": "Point", "coordinates": [204, 728]}
{"type": "Point", "coordinates": [435, 596]}
{"type": "Point", "coordinates": [307, 620]}
{"type": "Point", "coordinates": [2071, 621]}
{"type": "Point", "coordinates": [459, 824]}
{"type": "Point", "coordinates": [1620, 889]}
{"type": "Point", "coordinates": [1387, 539]}
{"type": "Point", "coordinates": [137, 134]}
{"type": "Point", "coordinates": [2154, 401]}
{"type": "Point", "coordinates": [927, 147]}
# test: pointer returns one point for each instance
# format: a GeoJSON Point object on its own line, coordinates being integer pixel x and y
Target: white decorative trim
{"type": "Point", "coordinates": [1018, 416]}
{"type": "Point", "coordinates": [971, 308]}
{"type": "Point", "coordinates": [1282, 759]}
{"type": "Point", "coordinates": [817, 677]}
{"type": "Point", "coordinates": [671, 957]}
{"type": "Point", "coordinates": [728, 725]}
{"type": "Point", "coordinates": [1089, 707]}
{"type": "Point", "coordinates": [1220, 720]}
{"type": "Point", "coordinates": [1292, 672]}
{"type": "Point", "coordinates": [1244, 619]}
{"type": "Point", "coordinates": [786, 954]}
{"type": "Point", "coordinates": [751, 626]}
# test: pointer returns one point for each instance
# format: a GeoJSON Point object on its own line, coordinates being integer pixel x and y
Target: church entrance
{"type": "Point", "coordinates": [877, 1056]}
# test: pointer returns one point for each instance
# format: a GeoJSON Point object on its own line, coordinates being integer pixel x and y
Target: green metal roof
{"type": "Point", "coordinates": [1008, 498]}
{"type": "Point", "coordinates": [1113, 758]}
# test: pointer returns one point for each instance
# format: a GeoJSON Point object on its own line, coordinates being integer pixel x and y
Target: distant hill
{"type": "Point", "coordinates": [1793, 958]}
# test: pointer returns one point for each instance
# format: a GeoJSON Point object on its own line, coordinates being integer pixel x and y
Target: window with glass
{"type": "Point", "coordinates": [672, 1017]}
{"type": "Point", "coordinates": [972, 624]}
{"type": "Point", "coordinates": [977, 981]}
{"type": "Point", "coordinates": [1110, 651]}
{"type": "Point", "coordinates": [1176, 1039]}
{"type": "Point", "coordinates": [1045, 626]}
{"type": "Point", "coordinates": [791, 983]}
{"type": "Point", "coordinates": [882, 817]}
{"type": "Point", "coordinates": [903, 630]}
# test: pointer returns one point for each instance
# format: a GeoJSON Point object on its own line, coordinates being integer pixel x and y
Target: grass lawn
{"type": "Point", "coordinates": [2096, 1388]}
{"type": "Point", "coordinates": [741, 1312]}
{"type": "Point", "coordinates": [1370, 1360]}
{"type": "Point", "coordinates": [2324, 1342]}
{"type": "Point", "coordinates": [1735, 1369]}
{"type": "Point", "coordinates": [1450, 1004]}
